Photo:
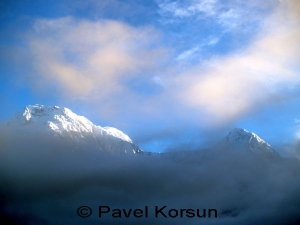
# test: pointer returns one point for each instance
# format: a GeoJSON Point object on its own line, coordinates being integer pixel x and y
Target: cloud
{"type": "Point", "coordinates": [158, 80]}
{"type": "Point", "coordinates": [187, 54]}
{"type": "Point", "coordinates": [212, 41]}
{"type": "Point", "coordinates": [178, 9]}
{"type": "Point", "coordinates": [195, 52]}
{"type": "Point", "coordinates": [228, 14]}
{"type": "Point", "coordinates": [43, 181]}
{"type": "Point", "coordinates": [261, 74]}
{"type": "Point", "coordinates": [86, 57]}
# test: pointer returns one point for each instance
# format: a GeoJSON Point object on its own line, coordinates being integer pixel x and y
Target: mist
{"type": "Point", "coordinates": [44, 180]}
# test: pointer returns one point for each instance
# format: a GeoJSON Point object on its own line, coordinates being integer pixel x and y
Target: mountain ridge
{"type": "Point", "coordinates": [62, 122]}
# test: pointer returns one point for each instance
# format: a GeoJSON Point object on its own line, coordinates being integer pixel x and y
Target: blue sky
{"type": "Point", "coordinates": [170, 74]}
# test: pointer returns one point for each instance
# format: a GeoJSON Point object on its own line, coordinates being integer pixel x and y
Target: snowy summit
{"type": "Point", "coordinates": [240, 139]}
{"type": "Point", "coordinates": [62, 122]}
{"type": "Point", "coordinates": [39, 121]}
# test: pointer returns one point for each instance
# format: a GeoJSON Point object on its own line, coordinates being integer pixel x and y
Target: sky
{"type": "Point", "coordinates": [170, 74]}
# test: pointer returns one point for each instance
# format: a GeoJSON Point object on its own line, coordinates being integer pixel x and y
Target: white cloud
{"type": "Point", "coordinates": [238, 83]}
{"type": "Point", "coordinates": [187, 54]}
{"type": "Point", "coordinates": [206, 7]}
{"type": "Point", "coordinates": [158, 80]}
{"type": "Point", "coordinates": [182, 9]}
{"type": "Point", "coordinates": [85, 57]}
{"type": "Point", "coordinates": [231, 18]}
{"type": "Point", "coordinates": [229, 14]}
{"type": "Point", "coordinates": [212, 41]}
{"type": "Point", "coordinates": [195, 51]}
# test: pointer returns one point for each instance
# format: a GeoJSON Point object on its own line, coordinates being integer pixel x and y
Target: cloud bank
{"type": "Point", "coordinates": [43, 181]}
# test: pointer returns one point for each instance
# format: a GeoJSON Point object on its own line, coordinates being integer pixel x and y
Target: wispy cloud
{"type": "Point", "coordinates": [187, 54]}
{"type": "Point", "coordinates": [85, 57]}
{"type": "Point", "coordinates": [237, 84]}
{"type": "Point", "coordinates": [212, 41]}
{"type": "Point", "coordinates": [158, 80]}
{"type": "Point", "coordinates": [228, 14]}
{"type": "Point", "coordinates": [194, 52]}
{"type": "Point", "coordinates": [186, 9]}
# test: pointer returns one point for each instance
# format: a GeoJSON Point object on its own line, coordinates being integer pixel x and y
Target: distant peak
{"type": "Point", "coordinates": [240, 138]}
{"type": "Point", "coordinates": [240, 134]}
{"type": "Point", "coordinates": [239, 131]}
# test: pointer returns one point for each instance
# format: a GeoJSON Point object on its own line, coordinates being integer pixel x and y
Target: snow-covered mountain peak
{"type": "Point", "coordinates": [53, 121]}
{"type": "Point", "coordinates": [241, 135]}
{"type": "Point", "coordinates": [57, 121]}
{"type": "Point", "coordinates": [53, 117]}
{"type": "Point", "coordinates": [241, 139]}
{"type": "Point", "coordinates": [33, 111]}
{"type": "Point", "coordinates": [38, 110]}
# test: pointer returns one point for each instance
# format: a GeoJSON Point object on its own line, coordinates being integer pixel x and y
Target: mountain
{"type": "Point", "coordinates": [56, 124]}
{"type": "Point", "coordinates": [241, 140]}
{"type": "Point", "coordinates": [238, 142]}
{"type": "Point", "coordinates": [63, 125]}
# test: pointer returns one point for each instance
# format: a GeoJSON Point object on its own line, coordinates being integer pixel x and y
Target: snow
{"type": "Point", "coordinates": [117, 133]}
{"type": "Point", "coordinates": [56, 121]}
{"type": "Point", "coordinates": [62, 122]}
{"type": "Point", "coordinates": [240, 139]}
